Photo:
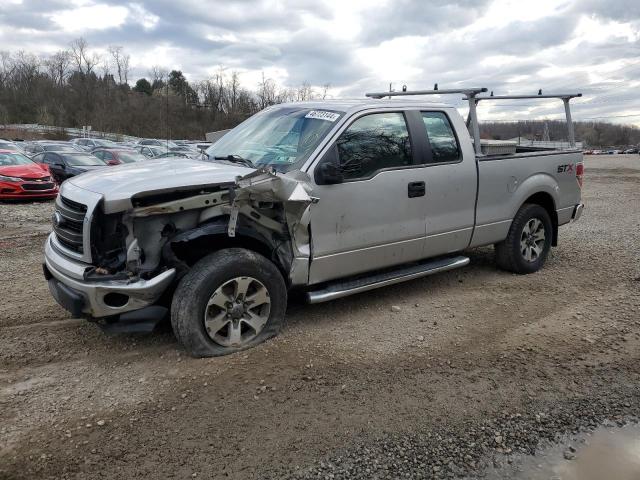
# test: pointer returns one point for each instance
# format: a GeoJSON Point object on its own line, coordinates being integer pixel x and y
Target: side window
{"type": "Point", "coordinates": [374, 142]}
{"type": "Point", "coordinates": [106, 156]}
{"type": "Point", "coordinates": [39, 158]}
{"type": "Point", "coordinates": [99, 154]}
{"type": "Point", "coordinates": [51, 158]}
{"type": "Point", "coordinates": [444, 144]}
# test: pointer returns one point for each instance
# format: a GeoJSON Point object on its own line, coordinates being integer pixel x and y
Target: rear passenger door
{"type": "Point", "coordinates": [450, 178]}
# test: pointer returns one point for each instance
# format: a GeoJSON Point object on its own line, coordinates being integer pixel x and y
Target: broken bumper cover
{"type": "Point", "coordinates": [84, 298]}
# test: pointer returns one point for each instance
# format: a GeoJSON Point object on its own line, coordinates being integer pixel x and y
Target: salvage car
{"type": "Point", "coordinates": [117, 156]}
{"type": "Point", "coordinates": [38, 146]}
{"type": "Point", "coordinates": [67, 164]}
{"type": "Point", "coordinates": [330, 198]}
{"type": "Point", "coordinates": [151, 151]}
{"type": "Point", "coordinates": [8, 145]}
{"type": "Point", "coordinates": [88, 144]}
{"type": "Point", "coordinates": [22, 178]}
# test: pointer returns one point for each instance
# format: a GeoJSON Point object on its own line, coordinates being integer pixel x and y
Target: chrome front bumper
{"type": "Point", "coordinates": [89, 296]}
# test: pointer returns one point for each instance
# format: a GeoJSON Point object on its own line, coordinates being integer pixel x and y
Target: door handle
{"type": "Point", "coordinates": [416, 189]}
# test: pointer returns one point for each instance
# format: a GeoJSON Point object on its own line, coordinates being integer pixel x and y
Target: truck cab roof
{"type": "Point", "coordinates": [351, 105]}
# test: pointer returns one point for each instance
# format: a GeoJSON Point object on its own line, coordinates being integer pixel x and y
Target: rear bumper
{"type": "Point", "coordinates": [577, 212]}
{"type": "Point", "coordinates": [84, 298]}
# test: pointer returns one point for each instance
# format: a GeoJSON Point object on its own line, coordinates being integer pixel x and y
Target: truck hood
{"type": "Point", "coordinates": [118, 184]}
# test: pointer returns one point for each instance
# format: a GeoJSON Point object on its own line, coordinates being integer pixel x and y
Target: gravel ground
{"type": "Point", "coordinates": [475, 369]}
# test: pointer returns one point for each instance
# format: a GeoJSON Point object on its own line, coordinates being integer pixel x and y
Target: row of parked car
{"type": "Point", "coordinates": [610, 152]}
{"type": "Point", "coordinates": [34, 169]}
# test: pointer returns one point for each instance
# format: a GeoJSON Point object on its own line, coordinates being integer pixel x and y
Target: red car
{"type": "Point", "coordinates": [20, 177]}
{"type": "Point", "coordinates": [116, 156]}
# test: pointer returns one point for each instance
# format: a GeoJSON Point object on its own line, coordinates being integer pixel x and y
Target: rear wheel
{"type": "Point", "coordinates": [528, 243]}
{"type": "Point", "coordinates": [230, 300]}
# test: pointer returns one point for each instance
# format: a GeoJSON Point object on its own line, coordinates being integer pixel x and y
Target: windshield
{"type": "Point", "coordinates": [83, 160]}
{"type": "Point", "coordinates": [131, 157]}
{"type": "Point", "coordinates": [282, 137]}
{"type": "Point", "coordinates": [157, 150]}
{"type": "Point", "coordinates": [9, 158]}
{"type": "Point", "coordinates": [57, 148]}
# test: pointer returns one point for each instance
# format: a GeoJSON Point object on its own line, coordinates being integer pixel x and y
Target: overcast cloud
{"type": "Point", "coordinates": [509, 46]}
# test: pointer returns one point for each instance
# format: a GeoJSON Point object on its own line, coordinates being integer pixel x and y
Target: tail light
{"type": "Point", "coordinates": [579, 173]}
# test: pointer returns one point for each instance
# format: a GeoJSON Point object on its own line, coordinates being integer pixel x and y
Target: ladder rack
{"type": "Point", "coordinates": [471, 95]}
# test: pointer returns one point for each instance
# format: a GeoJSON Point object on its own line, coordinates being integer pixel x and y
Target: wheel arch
{"type": "Point", "coordinates": [186, 248]}
{"type": "Point", "coordinates": [546, 201]}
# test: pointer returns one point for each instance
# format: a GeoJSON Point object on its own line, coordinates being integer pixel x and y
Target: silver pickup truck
{"type": "Point", "coordinates": [329, 198]}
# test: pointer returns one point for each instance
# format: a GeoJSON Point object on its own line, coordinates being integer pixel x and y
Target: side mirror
{"type": "Point", "coordinates": [328, 172]}
{"type": "Point", "coordinates": [59, 165]}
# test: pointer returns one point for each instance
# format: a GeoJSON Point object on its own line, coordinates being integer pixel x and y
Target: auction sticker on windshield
{"type": "Point", "coordinates": [322, 115]}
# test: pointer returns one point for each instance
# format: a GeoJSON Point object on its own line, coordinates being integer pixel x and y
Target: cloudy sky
{"type": "Point", "coordinates": [509, 46]}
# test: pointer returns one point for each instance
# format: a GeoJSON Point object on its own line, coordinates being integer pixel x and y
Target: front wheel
{"type": "Point", "coordinates": [528, 243]}
{"type": "Point", "coordinates": [229, 301]}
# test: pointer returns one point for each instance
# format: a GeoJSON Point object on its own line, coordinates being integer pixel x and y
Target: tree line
{"type": "Point", "coordinates": [592, 134]}
{"type": "Point", "coordinates": [76, 86]}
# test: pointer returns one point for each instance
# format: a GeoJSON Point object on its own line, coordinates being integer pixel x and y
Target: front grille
{"type": "Point", "coordinates": [68, 222]}
{"type": "Point", "coordinates": [74, 205]}
{"type": "Point", "coordinates": [41, 179]}
{"type": "Point", "coordinates": [37, 186]}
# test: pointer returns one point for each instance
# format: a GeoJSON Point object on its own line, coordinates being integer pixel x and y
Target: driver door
{"type": "Point", "coordinates": [374, 217]}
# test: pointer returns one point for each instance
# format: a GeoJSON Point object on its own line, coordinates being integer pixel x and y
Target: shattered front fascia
{"type": "Point", "coordinates": [292, 190]}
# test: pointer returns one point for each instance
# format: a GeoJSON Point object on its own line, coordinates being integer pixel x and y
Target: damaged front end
{"type": "Point", "coordinates": [263, 211]}
{"type": "Point", "coordinates": [139, 254]}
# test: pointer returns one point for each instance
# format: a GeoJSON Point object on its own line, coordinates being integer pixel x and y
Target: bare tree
{"type": "Point", "coordinates": [125, 68]}
{"type": "Point", "coordinates": [84, 61]}
{"type": "Point", "coordinates": [304, 92]}
{"type": "Point", "coordinates": [120, 62]}
{"type": "Point", "coordinates": [7, 67]}
{"type": "Point", "coordinates": [58, 65]}
{"type": "Point", "coordinates": [158, 75]}
{"type": "Point", "coordinates": [267, 94]}
{"type": "Point", "coordinates": [325, 91]}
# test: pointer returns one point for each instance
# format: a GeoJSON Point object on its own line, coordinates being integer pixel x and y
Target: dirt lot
{"type": "Point", "coordinates": [476, 367]}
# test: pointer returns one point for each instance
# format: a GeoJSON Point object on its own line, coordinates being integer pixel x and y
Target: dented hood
{"type": "Point", "coordinates": [118, 184]}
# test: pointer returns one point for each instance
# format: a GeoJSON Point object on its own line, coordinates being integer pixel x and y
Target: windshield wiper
{"type": "Point", "coordinates": [235, 159]}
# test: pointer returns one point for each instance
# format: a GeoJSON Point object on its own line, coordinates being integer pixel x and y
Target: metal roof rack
{"type": "Point", "coordinates": [565, 97]}
{"type": "Point", "coordinates": [471, 95]}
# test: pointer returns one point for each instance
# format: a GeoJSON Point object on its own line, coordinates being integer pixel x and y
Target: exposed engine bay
{"type": "Point", "coordinates": [174, 229]}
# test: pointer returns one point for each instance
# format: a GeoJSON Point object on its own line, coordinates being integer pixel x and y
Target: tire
{"type": "Point", "coordinates": [209, 314]}
{"type": "Point", "coordinates": [523, 251]}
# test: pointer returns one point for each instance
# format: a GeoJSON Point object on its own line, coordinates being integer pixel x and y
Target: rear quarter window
{"type": "Point", "coordinates": [444, 144]}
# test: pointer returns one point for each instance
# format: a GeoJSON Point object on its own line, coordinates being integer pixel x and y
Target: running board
{"type": "Point", "coordinates": [349, 287]}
